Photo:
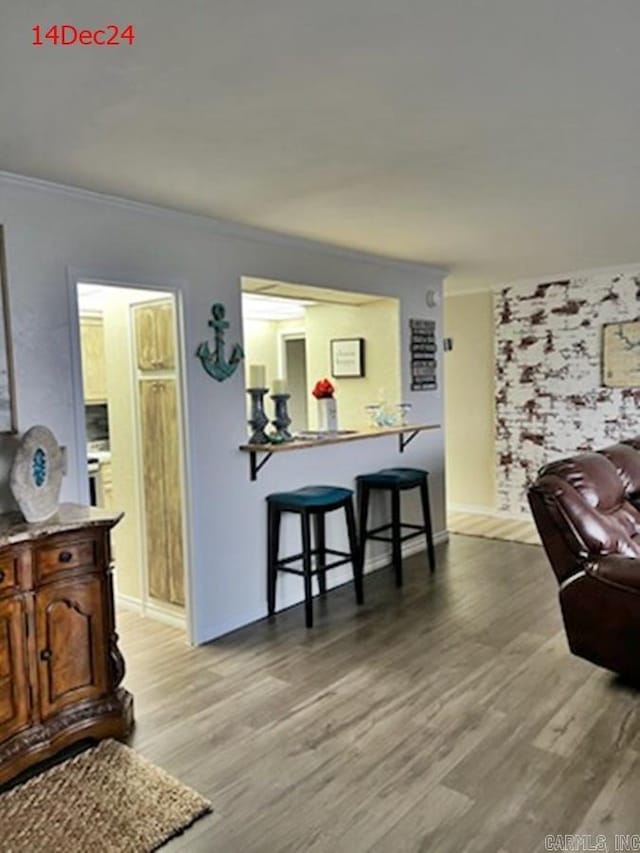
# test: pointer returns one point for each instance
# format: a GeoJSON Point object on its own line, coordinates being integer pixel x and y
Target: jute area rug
{"type": "Point", "coordinates": [105, 800]}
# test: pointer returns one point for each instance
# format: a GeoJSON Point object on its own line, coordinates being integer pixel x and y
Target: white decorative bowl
{"type": "Point", "coordinates": [36, 474]}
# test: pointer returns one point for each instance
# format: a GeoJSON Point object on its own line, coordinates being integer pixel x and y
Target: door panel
{"type": "Point", "coordinates": [152, 430]}
{"type": "Point", "coordinates": [146, 348]}
{"type": "Point", "coordinates": [94, 374]}
{"type": "Point", "coordinates": [15, 710]}
{"type": "Point", "coordinates": [155, 336]}
{"type": "Point", "coordinates": [162, 489]}
{"type": "Point", "coordinates": [172, 491]}
{"type": "Point", "coordinates": [165, 333]}
{"type": "Point", "coordinates": [70, 643]}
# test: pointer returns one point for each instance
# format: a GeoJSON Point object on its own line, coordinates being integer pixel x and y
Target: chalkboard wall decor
{"type": "Point", "coordinates": [423, 355]}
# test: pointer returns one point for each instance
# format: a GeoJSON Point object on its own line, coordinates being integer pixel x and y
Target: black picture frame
{"type": "Point", "coordinates": [347, 358]}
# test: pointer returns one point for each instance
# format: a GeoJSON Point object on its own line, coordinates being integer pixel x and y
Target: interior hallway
{"type": "Point", "coordinates": [446, 716]}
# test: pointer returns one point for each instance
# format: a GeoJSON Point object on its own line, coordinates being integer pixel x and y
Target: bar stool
{"type": "Point", "coordinates": [311, 501]}
{"type": "Point", "coordinates": [395, 480]}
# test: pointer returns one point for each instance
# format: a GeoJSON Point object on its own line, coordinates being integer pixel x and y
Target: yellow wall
{"type": "Point", "coordinates": [261, 347]}
{"type": "Point", "coordinates": [469, 401]}
{"type": "Point", "coordinates": [378, 323]}
{"type": "Point", "coordinates": [123, 431]}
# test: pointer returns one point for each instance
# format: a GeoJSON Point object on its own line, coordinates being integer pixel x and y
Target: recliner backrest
{"type": "Point", "coordinates": [582, 509]}
{"type": "Point", "coordinates": [626, 459]}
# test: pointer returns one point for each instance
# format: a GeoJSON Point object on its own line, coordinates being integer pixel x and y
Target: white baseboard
{"type": "Point", "coordinates": [474, 509]}
{"type": "Point", "coordinates": [128, 602]}
{"type": "Point", "coordinates": [371, 565]}
{"type": "Point", "coordinates": [166, 615]}
{"type": "Point", "coordinates": [414, 547]}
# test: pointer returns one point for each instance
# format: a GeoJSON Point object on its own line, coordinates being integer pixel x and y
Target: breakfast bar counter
{"type": "Point", "coordinates": [308, 440]}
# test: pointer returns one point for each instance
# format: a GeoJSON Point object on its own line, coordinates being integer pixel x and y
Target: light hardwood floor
{"type": "Point", "coordinates": [447, 716]}
{"type": "Point", "coordinates": [493, 527]}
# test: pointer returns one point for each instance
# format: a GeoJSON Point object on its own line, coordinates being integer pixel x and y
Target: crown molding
{"type": "Point", "coordinates": [467, 291]}
{"type": "Point", "coordinates": [221, 227]}
{"type": "Point", "coordinates": [532, 281]}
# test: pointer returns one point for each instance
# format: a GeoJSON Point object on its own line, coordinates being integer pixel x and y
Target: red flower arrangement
{"type": "Point", "coordinates": [322, 389]}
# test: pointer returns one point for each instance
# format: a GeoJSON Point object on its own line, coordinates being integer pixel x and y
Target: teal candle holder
{"type": "Point", "coordinates": [258, 420]}
{"type": "Point", "coordinates": [281, 420]}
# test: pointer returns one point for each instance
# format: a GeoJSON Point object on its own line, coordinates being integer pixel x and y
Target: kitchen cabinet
{"type": "Point", "coordinates": [162, 489]}
{"type": "Point", "coordinates": [94, 374]}
{"type": "Point", "coordinates": [60, 666]}
{"type": "Point", "coordinates": [15, 700]}
{"type": "Point", "coordinates": [154, 324]}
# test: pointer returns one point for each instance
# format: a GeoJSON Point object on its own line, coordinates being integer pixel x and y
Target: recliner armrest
{"type": "Point", "coordinates": [618, 570]}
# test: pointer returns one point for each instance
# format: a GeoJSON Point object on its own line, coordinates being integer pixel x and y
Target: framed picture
{"type": "Point", "coordinates": [7, 395]}
{"type": "Point", "coordinates": [347, 358]}
{"type": "Point", "coordinates": [621, 354]}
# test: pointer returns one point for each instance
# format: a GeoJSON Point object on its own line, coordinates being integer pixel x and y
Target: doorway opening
{"type": "Point", "coordinates": [298, 334]}
{"type": "Point", "coordinates": [131, 384]}
{"type": "Point", "coordinates": [294, 370]}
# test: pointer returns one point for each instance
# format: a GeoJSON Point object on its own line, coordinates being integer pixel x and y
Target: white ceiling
{"type": "Point", "coordinates": [497, 137]}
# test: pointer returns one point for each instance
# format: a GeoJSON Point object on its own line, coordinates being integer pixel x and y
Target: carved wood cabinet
{"type": "Point", "coordinates": [60, 666]}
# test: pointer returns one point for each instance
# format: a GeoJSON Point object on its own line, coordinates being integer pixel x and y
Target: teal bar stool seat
{"type": "Point", "coordinates": [310, 502]}
{"type": "Point", "coordinates": [395, 481]}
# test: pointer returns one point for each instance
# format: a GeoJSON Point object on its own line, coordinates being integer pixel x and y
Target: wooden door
{"type": "Point", "coordinates": [94, 374]}
{"type": "Point", "coordinates": [172, 490]}
{"type": "Point", "coordinates": [155, 335]}
{"type": "Point", "coordinates": [145, 334]}
{"type": "Point", "coordinates": [162, 489]}
{"type": "Point", "coordinates": [71, 643]}
{"type": "Point", "coordinates": [165, 335]}
{"type": "Point", "coordinates": [15, 703]}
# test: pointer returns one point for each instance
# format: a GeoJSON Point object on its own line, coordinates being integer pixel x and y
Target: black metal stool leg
{"type": "Point", "coordinates": [306, 567]}
{"type": "Point", "coordinates": [321, 558]}
{"type": "Point", "coordinates": [273, 542]}
{"type": "Point", "coordinates": [426, 512]}
{"type": "Point", "coordinates": [354, 549]}
{"type": "Point", "coordinates": [363, 513]}
{"type": "Point", "coordinates": [396, 536]}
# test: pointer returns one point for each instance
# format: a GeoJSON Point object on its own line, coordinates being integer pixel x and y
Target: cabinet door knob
{"type": "Point", "coordinates": [65, 556]}
{"type": "Point", "coordinates": [2, 576]}
{"type": "Point", "coordinates": [45, 654]}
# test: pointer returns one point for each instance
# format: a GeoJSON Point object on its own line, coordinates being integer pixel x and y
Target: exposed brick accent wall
{"type": "Point", "coordinates": [549, 398]}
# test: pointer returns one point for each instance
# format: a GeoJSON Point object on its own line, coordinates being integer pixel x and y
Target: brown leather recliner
{"type": "Point", "coordinates": [587, 511]}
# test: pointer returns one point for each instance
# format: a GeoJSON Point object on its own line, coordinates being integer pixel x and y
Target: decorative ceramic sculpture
{"type": "Point", "coordinates": [36, 474]}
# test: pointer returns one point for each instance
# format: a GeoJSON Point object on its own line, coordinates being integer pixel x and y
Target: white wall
{"type": "Point", "coordinates": [551, 400]}
{"type": "Point", "coordinates": [50, 231]}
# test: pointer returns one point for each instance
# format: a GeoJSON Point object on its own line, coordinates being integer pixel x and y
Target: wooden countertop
{"type": "Point", "coordinates": [335, 438]}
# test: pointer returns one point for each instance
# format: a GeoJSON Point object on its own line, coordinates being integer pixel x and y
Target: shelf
{"type": "Point", "coordinates": [405, 434]}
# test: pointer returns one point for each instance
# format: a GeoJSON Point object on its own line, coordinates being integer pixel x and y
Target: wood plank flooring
{"type": "Point", "coordinates": [447, 716]}
{"type": "Point", "coordinates": [493, 527]}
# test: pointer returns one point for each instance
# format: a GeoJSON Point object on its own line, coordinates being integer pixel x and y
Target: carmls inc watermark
{"type": "Point", "coordinates": [586, 843]}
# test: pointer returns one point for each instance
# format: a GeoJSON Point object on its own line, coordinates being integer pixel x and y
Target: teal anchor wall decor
{"type": "Point", "coordinates": [215, 363]}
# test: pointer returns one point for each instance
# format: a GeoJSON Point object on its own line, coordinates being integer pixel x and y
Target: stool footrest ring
{"type": "Point", "coordinates": [326, 568]}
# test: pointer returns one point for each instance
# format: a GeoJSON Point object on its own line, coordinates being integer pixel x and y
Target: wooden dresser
{"type": "Point", "coordinates": [60, 666]}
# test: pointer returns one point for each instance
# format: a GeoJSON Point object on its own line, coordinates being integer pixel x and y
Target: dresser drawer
{"type": "Point", "coordinates": [65, 554]}
{"type": "Point", "coordinates": [8, 572]}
